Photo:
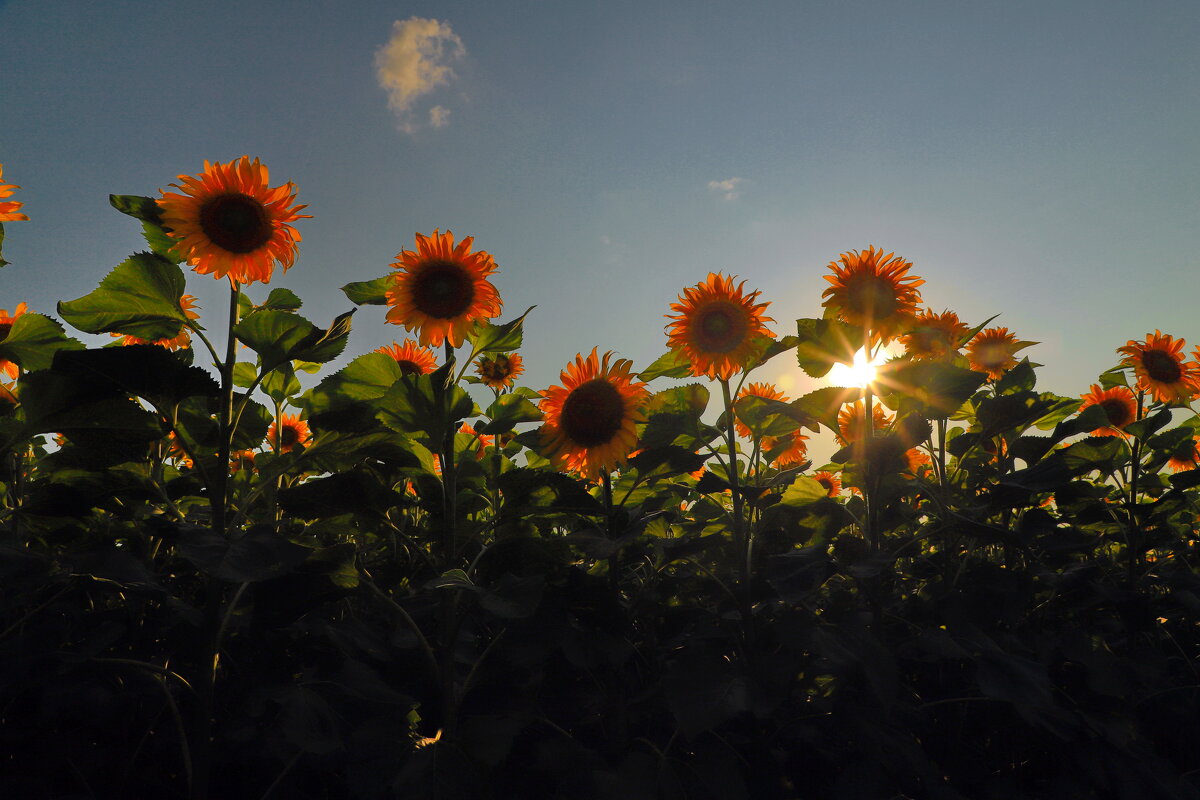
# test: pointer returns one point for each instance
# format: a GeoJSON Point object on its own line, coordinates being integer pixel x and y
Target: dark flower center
{"type": "Point", "coordinates": [236, 222]}
{"type": "Point", "coordinates": [720, 328]}
{"type": "Point", "coordinates": [593, 413]}
{"type": "Point", "coordinates": [872, 297]}
{"type": "Point", "coordinates": [993, 356]}
{"type": "Point", "coordinates": [443, 290]}
{"type": "Point", "coordinates": [1161, 366]}
{"type": "Point", "coordinates": [409, 367]}
{"type": "Point", "coordinates": [1119, 414]}
{"type": "Point", "coordinates": [5, 327]}
{"type": "Point", "coordinates": [496, 369]}
{"type": "Point", "coordinates": [288, 436]}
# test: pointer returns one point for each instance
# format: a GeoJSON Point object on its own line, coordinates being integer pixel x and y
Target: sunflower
{"type": "Point", "coordinates": [591, 418]}
{"type": "Point", "coordinates": [499, 373]}
{"type": "Point", "coordinates": [1160, 368]}
{"type": "Point", "coordinates": [1118, 403]}
{"type": "Point", "coordinates": [796, 452]}
{"type": "Point", "coordinates": [831, 482]}
{"type": "Point", "coordinates": [411, 357]}
{"type": "Point", "coordinates": [717, 326]}
{"type": "Point", "coordinates": [442, 289]}
{"type": "Point", "coordinates": [229, 222]}
{"type": "Point", "coordinates": [933, 336]}
{"type": "Point", "coordinates": [241, 460]}
{"type": "Point", "coordinates": [178, 341]}
{"type": "Point", "coordinates": [993, 351]}
{"type": "Point", "coordinates": [9, 208]}
{"type": "Point", "coordinates": [873, 290]}
{"type": "Point", "coordinates": [6, 323]}
{"type": "Point", "coordinates": [1185, 456]}
{"type": "Point", "coordinates": [176, 450]}
{"type": "Point", "coordinates": [483, 440]}
{"type": "Point", "coordinates": [851, 421]}
{"type": "Point", "coordinates": [287, 433]}
{"type": "Point", "coordinates": [764, 390]}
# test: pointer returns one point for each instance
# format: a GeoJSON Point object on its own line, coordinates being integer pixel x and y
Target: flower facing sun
{"type": "Point", "coordinates": [6, 323]}
{"type": "Point", "coordinates": [1160, 369]}
{"type": "Point", "coordinates": [411, 357]}
{"type": "Point", "coordinates": [851, 421]}
{"type": "Point", "coordinates": [717, 326]}
{"type": "Point", "coordinates": [442, 289]}
{"type": "Point", "coordinates": [873, 290]}
{"type": "Point", "coordinates": [499, 372]}
{"type": "Point", "coordinates": [286, 434]}
{"type": "Point", "coordinates": [1118, 403]}
{"type": "Point", "coordinates": [9, 209]}
{"type": "Point", "coordinates": [178, 341]}
{"type": "Point", "coordinates": [591, 419]}
{"type": "Point", "coordinates": [994, 351]}
{"type": "Point", "coordinates": [933, 336]}
{"type": "Point", "coordinates": [230, 222]}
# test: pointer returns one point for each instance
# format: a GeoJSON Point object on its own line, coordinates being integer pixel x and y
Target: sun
{"type": "Point", "coordinates": [858, 374]}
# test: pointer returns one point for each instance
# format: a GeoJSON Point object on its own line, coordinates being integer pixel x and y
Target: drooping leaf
{"type": "Point", "coordinates": [766, 417]}
{"type": "Point", "coordinates": [281, 336]}
{"type": "Point", "coordinates": [671, 364]}
{"type": "Point", "coordinates": [804, 491]}
{"type": "Point", "coordinates": [281, 383]}
{"type": "Point", "coordinates": [824, 404]}
{"type": "Point", "coordinates": [507, 411]}
{"type": "Point", "coordinates": [690, 400]}
{"type": "Point", "coordinates": [33, 340]}
{"type": "Point", "coordinates": [486, 337]}
{"type": "Point", "coordinates": [423, 404]}
{"type": "Point", "coordinates": [369, 292]}
{"type": "Point", "coordinates": [145, 209]}
{"type": "Point", "coordinates": [347, 399]}
{"type": "Point", "coordinates": [140, 297]}
{"type": "Point", "coordinates": [257, 555]}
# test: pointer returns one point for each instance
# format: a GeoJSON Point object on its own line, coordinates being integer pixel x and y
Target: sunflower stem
{"type": "Point", "coordinates": [1133, 543]}
{"type": "Point", "coordinates": [613, 560]}
{"type": "Point", "coordinates": [739, 533]}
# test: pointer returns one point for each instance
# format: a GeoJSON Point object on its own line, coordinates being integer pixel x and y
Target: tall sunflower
{"type": "Point", "coordinates": [289, 432]}
{"type": "Point", "coordinates": [852, 424]}
{"type": "Point", "coordinates": [411, 357]}
{"type": "Point", "coordinates": [6, 323]}
{"type": "Point", "coordinates": [230, 223]}
{"type": "Point", "coordinates": [764, 390]}
{"type": "Point", "coordinates": [873, 290]}
{"type": "Point", "coordinates": [994, 351]}
{"type": "Point", "coordinates": [177, 342]}
{"type": "Point", "coordinates": [933, 336]}
{"type": "Point", "coordinates": [1118, 403]}
{"type": "Point", "coordinates": [9, 208]}
{"type": "Point", "coordinates": [1160, 369]}
{"type": "Point", "coordinates": [442, 289]}
{"type": "Point", "coordinates": [717, 326]}
{"type": "Point", "coordinates": [591, 419]}
{"type": "Point", "coordinates": [500, 371]}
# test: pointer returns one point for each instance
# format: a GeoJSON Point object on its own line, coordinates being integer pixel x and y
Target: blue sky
{"type": "Point", "coordinates": [1039, 160]}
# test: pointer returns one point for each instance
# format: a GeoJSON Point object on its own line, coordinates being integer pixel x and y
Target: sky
{"type": "Point", "coordinates": [1038, 160]}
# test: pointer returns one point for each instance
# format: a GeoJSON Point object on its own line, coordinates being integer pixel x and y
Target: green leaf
{"type": "Point", "coordinates": [690, 400]}
{"type": "Point", "coordinates": [766, 417]}
{"type": "Point", "coordinates": [281, 300]}
{"type": "Point", "coordinates": [348, 399]}
{"type": "Point", "coordinates": [145, 370]}
{"type": "Point", "coordinates": [160, 243]}
{"type": "Point", "coordinates": [68, 403]}
{"type": "Point", "coordinates": [372, 293]}
{"type": "Point", "coordinates": [824, 404]}
{"type": "Point", "coordinates": [330, 344]}
{"type": "Point", "coordinates": [144, 208]}
{"type": "Point", "coordinates": [140, 297]}
{"type": "Point", "coordinates": [1113, 378]}
{"type": "Point", "coordinates": [258, 555]}
{"type": "Point", "coordinates": [933, 389]}
{"type": "Point", "coordinates": [775, 347]}
{"type": "Point", "coordinates": [1018, 379]}
{"type": "Point", "coordinates": [416, 404]}
{"type": "Point", "coordinates": [821, 343]}
{"type": "Point", "coordinates": [33, 340]}
{"type": "Point", "coordinates": [508, 411]}
{"type": "Point", "coordinates": [244, 374]}
{"type": "Point", "coordinates": [671, 364]}
{"type": "Point", "coordinates": [281, 336]}
{"type": "Point", "coordinates": [488, 338]}
{"type": "Point", "coordinates": [280, 383]}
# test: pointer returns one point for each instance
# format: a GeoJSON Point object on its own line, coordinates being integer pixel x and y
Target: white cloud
{"type": "Point", "coordinates": [728, 188]}
{"type": "Point", "coordinates": [414, 62]}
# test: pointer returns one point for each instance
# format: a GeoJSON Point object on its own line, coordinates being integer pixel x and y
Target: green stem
{"type": "Point", "coordinates": [1134, 541]}
{"type": "Point", "coordinates": [740, 535]}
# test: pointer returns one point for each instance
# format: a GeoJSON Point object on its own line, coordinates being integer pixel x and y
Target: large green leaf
{"type": "Point", "coordinates": [140, 297]}
{"type": "Point", "coordinates": [347, 400]}
{"type": "Point", "coordinates": [488, 338]}
{"type": "Point", "coordinates": [369, 292]}
{"type": "Point", "coordinates": [33, 341]}
{"type": "Point", "coordinates": [145, 370]}
{"type": "Point", "coordinates": [145, 209]}
{"type": "Point", "coordinates": [766, 417]}
{"type": "Point", "coordinates": [821, 343]}
{"type": "Point", "coordinates": [933, 389]}
{"type": "Point", "coordinates": [424, 404]}
{"type": "Point", "coordinates": [671, 364]}
{"type": "Point", "coordinates": [508, 411]}
{"type": "Point", "coordinates": [824, 404]}
{"type": "Point", "coordinates": [282, 336]}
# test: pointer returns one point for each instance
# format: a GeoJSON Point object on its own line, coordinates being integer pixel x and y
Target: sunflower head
{"type": "Point", "coordinates": [442, 289]}
{"type": "Point", "coordinates": [1118, 403]}
{"type": "Point", "coordinates": [6, 323]}
{"type": "Point", "coordinates": [932, 336]}
{"type": "Point", "coordinates": [241, 461]}
{"type": "Point", "coordinates": [499, 372]}
{"type": "Point", "coordinates": [187, 303]}
{"type": "Point", "coordinates": [831, 482]}
{"type": "Point", "coordinates": [795, 452]}
{"type": "Point", "coordinates": [9, 208]}
{"type": "Point", "coordinates": [411, 357]}
{"type": "Point", "coordinates": [1185, 456]}
{"type": "Point", "coordinates": [228, 222]}
{"type": "Point", "coordinates": [482, 441]}
{"type": "Point", "coordinates": [873, 290]}
{"type": "Point", "coordinates": [718, 326]}
{"type": "Point", "coordinates": [1160, 369]}
{"type": "Point", "coordinates": [994, 351]}
{"type": "Point", "coordinates": [764, 390]}
{"type": "Point", "coordinates": [591, 419]}
{"type": "Point", "coordinates": [851, 421]}
{"type": "Point", "coordinates": [287, 433]}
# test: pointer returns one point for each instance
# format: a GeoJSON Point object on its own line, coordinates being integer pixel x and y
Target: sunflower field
{"type": "Point", "coordinates": [219, 581]}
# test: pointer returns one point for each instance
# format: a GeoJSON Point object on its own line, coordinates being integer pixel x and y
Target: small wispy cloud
{"type": "Point", "coordinates": [414, 62]}
{"type": "Point", "coordinates": [728, 188]}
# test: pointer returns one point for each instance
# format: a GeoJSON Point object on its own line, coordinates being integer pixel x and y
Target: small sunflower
{"type": "Point", "coordinates": [933, 336]}
{"type": "Point", "coordinates": [796, 452]}
{"type": "Point", "coordinates": [482, 440]}
{"type": "Point", "coordinates": [851, 424]}
{"type": "Point", "coordinates": [9, 209]}
{"type": "Point", "coordinates": [1118, 403]}
{"type": "Point", "coordinates": [287, 433]}
{"type": "Point", "coordinates": [241, 460]}
{"type": "Point", "coordinates": [411, 357]}
{"type": "Point", "coordinates": [591, 419]}
{"type": "Point", "coordinates": [831, 482]}
{"type": "Point", "coordinates": [994, 351]}
{"type": "Point", "coordinates": [873, 290]}
{"type": "Point", "coordinates": [764, 390]}
{"type": "Point", "coordinates": [1186, 455]}
{"type": "Point", "coordinates": [178, 341]}
{"type": "Point", "coordinates": [229, 222]}
{"type": "Point", "coordinates": [442, 289]}
{"type": "Point", "coordinates": [6, 323]}
{"type": "Point", "coordinates": [499, 373]}
{"type": "Point", "coordinates": [1160, 369]}
{"type": "Point", "coordinates": [717, 326]}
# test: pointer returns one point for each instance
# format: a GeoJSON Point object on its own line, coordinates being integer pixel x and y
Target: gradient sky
{"type": "Point", "coordinates": [1039, 160]}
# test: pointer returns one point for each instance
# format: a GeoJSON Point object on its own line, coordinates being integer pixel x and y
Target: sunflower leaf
{"type": "Point", "coordinates": [821, 343]}
{"type": "Point", "coordinates": [140, 297]}
{"type": "Point", "coordinates": [767, 417]}
{"type": "Point", "coordinates": [145, 370]}
{"type": "Point", "coordinates": [281, 300]}
{"type": "Point", "coordinates": [347, 399]}
{"type": "Point", "coordinates": [281, 336]}
{"type": "Point", "coordinates": [507, 411]}
{"type": "Point", "coordinates": [33, 341]}
{"type": "Point", "coordinates": [373, 293]}
{"type": "Point", "coordinates": [824, 404]}
{"type": "Point", "coordinates": [671, 364]}
{"type": "Point", "coordinates": [144, 208]}
{"type": "Point", "coordinates": [488, 338]}
{"type": "Point", "coordinates": [414, 404]}
{"type": "Point", "coordinates": [933, 389]}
